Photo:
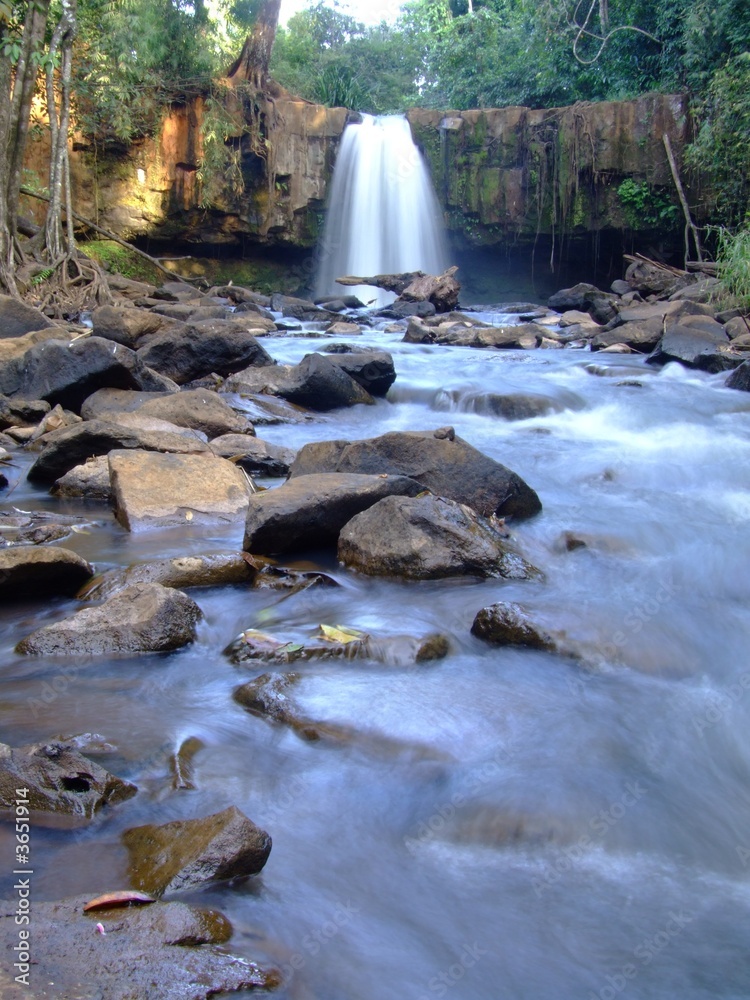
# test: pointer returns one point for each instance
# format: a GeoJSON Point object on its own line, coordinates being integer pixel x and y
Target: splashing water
{"type": "Point", "coordinates": [384, 217]}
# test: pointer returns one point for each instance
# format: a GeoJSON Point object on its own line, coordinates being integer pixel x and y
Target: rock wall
{"type": "Point", "coordinates": [514, 172]}
{"type": "Point", "coordinates": [502, 175]}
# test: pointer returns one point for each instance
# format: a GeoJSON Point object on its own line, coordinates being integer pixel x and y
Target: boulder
{"type": "Point", "coordinates": [310, 511]}
{"type": "Point", "coordinates": [672, 311]}
{"type": "Point", "coordinates": [17, 319]}
{"type": "Point", "coordinates": [641, 335]}
{"type": "Point", "coordinates": [29, 572]}
{"type": "Point", "coordinates": [439, 460]}
{"type": "Point", "coordinates": [187, 854]}
{"type": "Point", "coordinates": [185, 352]}
{"type": "Point", "coordinates": [523, 337]}
{"type": "Point", "coordinates": [258, 457]}
{"type": "Point", "coordinates": [89, 480]}
{"type": "Point", "coordinates": [695, 348]}
{"type": "Point", "coordinates": [154, 490]}
{"type": "Point", "coordinates": [21, 412]}
{"type": "Point", "coordinates": [214, 570]}
{"type": "Point", "coordinates": [197, 409]}
{"type": "Point", "coordinates": [169, 944]}
{"type": "Point", "coordinates": [71, 446]}
{"type": "Point", "coordinates": [341, 329]}
{"type": "Point", "coordinates": [737, 326]}
{"type": "Point", "coordinates": [124, 325]}
{"type": "Point", "coordinates": [16, 347]}
{"type": "Point", "coordinates": [404, 310]}
{"type": "Point", "coordinates": [598, 305]}
{"type": "Point", "coordinates": [372, 369]}
{"type": "Point", "coordinates": [301, 309]}
{"type": "Point", "coordinates": [337, 643]}
{"type": "Point", "coordinates": [427, 538]}
{"type": "Point", "coordinates": [649, 278]}
{"type": "Point", "coordinates": [740, 378]}
{"type": "Point", "coordinates": [315, 383]}
{"type": "Point", "coordinates": [141, 618]}
{"type": "Point", "coordinates": [67, 373]}
{"type": "Point", "coordinates": [58, 779]}
{"type": "Point", "coordinates": [505, 624]}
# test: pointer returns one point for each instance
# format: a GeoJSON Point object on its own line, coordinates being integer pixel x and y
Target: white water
{"type": "Point", "coordinates": [384, 217]}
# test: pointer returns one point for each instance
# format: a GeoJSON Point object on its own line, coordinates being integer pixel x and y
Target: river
{"type": "Point", "coordinates": [513, 825]}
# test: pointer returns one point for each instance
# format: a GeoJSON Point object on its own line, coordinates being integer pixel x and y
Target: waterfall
{"type": "Point", "coordinates": [383, 216]}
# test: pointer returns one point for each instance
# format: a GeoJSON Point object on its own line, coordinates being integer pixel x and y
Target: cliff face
{"type": "Point", "coordinates": [272, 191]}
{"type": "Point", "coordinates": [514, 172]}
{"type": "Point", "coordinates": [501, 175]}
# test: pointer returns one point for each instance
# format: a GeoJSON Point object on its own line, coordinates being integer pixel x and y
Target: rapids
{"type": "Point", "coordinates": [552, 829]}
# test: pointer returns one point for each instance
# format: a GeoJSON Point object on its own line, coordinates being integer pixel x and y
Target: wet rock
{"type": "Point", "coordinates": [215, 570]}
{"type": "Point", "coordinates": [185, 352]}
{"type": "Point", "coordinates": [20, 412]}
{"type": "Point", "coordinates": [427, 538]}
{"type": "Point", "coordinates": [448, 467]}
{"type": "Point", "coordinates": [642, 336]}
{"type": "Point", "coordinates": [183, 764]}
{"type": "Point", "coordinates": [310, 511]}
{"type": "Point", "coordinates": [258, 457]}
{"type": "Point", "coordinates": [344, 329]}
{"type": "Point", "coordinates": [509, 406]}
{"type": "Point", "coordinates": [266, 410]}
{"type": "Point", "coordinates": [710, 352]}
{"type": "Point", "coordinates": [59, 779]}
{"type": "Point", "coordinates": [141, 618]}
{"type": "Point", "coordinates": [737, 326]}
{"type": "Point", "coordinates": [124, 325]}
{"type": "Point", "coordinates": [272, 577]}
{"type": "Point", "coordinates": [315, 383]}
{"type": "Point", "coordinates": [197, 409]}
{"type": "Point", "coordinates": [301, 309]}
{"type": "Point", "coordinates": [373, 370]}
{"type": "Point", "coordinates": [90, 481]}
{"type": "Point", "coordinates": [523, 337]}
{"type": "Point", "coordinates": [598, 305]}
{"type": "Point", "coordinates": [17, 319]}
{"type": "Point", "coordinates": [649, 279]}
{"type": "Point", "coordinates": [153, 490]}
{"type": "Point", "coordinates": [740, 378]}
{"type": "Point", "coordinates": [186, 854]}
{"type": "Point", "coordinates": [673, 311]}
{"type": "Point", "coordinates": [73, 445]}
{"type": "Point", "coordinates": [337, 642]}
{"type": "Point", "coordinates": [29, 572]}
{"type": "Point", "coordinates": [170, 944]}
{"type": "Point", "coordinates": [404, 310]}
{"type": "Point", "coordinates": [505, 624]}
{"type": "Point", "coordinates": [67, 373]}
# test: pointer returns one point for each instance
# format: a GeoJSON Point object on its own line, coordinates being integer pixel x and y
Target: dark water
{"type": "Point", "coordinates": [511, 824]}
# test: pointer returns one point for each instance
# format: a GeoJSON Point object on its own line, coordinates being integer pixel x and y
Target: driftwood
{"type": "Point", "coordinates": [415, 286]}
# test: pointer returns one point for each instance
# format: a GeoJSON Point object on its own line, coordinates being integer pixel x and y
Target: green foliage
{"type": "Point", "coordinates": [647, 207]}
{"type": "Point", "coordinates": [733, 257]}
{"type": "Point", "coordinates": [721, 148]}
{"type": "Point", "coordinates": [119, 260]}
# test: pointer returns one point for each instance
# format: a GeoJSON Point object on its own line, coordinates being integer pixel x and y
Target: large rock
{"type": "Point", "coordinates": [27, 571]}
{"type": "Point", "coordinates": [440, 461]}
{"type": "Point", "coordinates": [16, 347]}
{"type": "Point", "coordinates": [153, 490]}
{"type": "Point", "coordinates": [58, 779]}
{"type": "Point", "coordinates": [167, 950]}
{"type": "Point", "coordinates": [142, 618]}
{"type": "Point", "coordinates": [89, 480]}
{"type": "Point", "coordinates": [695, 348]}
{"type": "Point", "coordinates": [258, 457]}
{"type": "Point", "coordinates": [642, 335]}
{"type": "Point", "coordinates": [316, 383]}
{"type": "Point", "coordinates": [198, 409]}
{"type": "Point", "coordinates": [740, 378]}
{"type": "Point", "coordinates": [180, 572]}
{"type": "Point", "coordinates": [427, 538]}
{"type": "Point", "coordinates": [310, 511]}
{"type": "Point", "coordinates": [67, 373]}
{"type": "Point", "coordinates": [373, 370]}
{"type": "Point", "coordinates": [187, 352]}
{"type": "Point", "coordinates": [124, 325]}
{"type": "Point", "coordinates": [17, 319]}
{"type": "Point", "coordinates": [71, 446]}
{"type": "Point", "coordinates": [21, 412]}
{"type": "Point", "coordinates": [505, 624]}
{"type": "Point", "coordinates": [187, 854]}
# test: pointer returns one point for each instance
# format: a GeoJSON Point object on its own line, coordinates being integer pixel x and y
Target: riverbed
{"type": "Point", "coordinates": [511, 824]}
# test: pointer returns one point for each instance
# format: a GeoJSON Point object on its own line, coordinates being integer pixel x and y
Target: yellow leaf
{"type": "Point", "coordinates": [341, 633]}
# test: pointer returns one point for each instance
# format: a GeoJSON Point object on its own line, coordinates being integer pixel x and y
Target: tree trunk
{"type": "Point", "coordinates": [255, 58]}
{"type": "Point", "coordinates": [59, 244]}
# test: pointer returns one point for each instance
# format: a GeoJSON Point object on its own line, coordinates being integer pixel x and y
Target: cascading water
{"type": "Point", "coordinates": [384, 217]}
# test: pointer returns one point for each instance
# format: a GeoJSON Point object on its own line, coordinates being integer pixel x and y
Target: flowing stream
{"type": "Point", "coordinates": [384, 217]}
{"type": "Point", "coordinates": [512, 824]}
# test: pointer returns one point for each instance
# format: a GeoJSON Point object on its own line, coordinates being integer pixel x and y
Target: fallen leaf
{"type": "Point", "coordinates": [109, 900]}
{"type": "Point", "coordinates": [341, 633]}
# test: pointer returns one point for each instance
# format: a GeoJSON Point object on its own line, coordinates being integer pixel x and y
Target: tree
{"type": "Point", "coordinates": [254, 60]}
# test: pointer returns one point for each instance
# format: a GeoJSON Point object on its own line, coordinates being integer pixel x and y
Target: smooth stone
{"type": "Point", "coordinates": [30, 572]}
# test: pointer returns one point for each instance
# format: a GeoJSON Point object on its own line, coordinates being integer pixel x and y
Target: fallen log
{"type": "Point", "coordinates": [415, 286]}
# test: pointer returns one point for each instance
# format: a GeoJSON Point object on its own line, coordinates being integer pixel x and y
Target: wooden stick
{"type": "Point", "coordinates": [689, 224]}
